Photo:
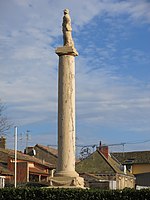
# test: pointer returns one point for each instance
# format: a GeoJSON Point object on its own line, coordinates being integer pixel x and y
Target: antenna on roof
{"type": "Point", "coordinates": [27, 140]}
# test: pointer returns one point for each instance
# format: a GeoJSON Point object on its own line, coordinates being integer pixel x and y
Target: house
{"type": "Point", "coordinates": [138, 163]}
{"type": "Point", "coordinates": [107, 173]}
{"type": "Point", "coordinates": [4, 174]}
{"type": "Point", "coordinates": [44, 153]}
{"type": "Point", "coordinates": [100, 170]}
{"type": "Point", "coordinates": [29, 169]}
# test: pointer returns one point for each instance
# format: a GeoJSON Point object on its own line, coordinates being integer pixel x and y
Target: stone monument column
{"type": "Point", "coordinates": [66, 112]}
{"type": "Point", "coordinates": [65, 171]}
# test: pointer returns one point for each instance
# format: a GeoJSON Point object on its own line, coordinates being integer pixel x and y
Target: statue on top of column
{"type": "Point", "coordinates": [67, 29]}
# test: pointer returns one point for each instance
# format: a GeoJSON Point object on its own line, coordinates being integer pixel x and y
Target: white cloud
{"type": "Point", "coordinates": [120, 102]}
{"type": "Point", "coordinates": [137, 10]}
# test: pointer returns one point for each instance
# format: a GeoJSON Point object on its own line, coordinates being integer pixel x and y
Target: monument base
{"type": "Point", "coordinates": [66, 182]}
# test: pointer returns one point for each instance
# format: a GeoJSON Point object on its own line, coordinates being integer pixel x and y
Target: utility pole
{"type": "Point", "coordinates": [15, 147]}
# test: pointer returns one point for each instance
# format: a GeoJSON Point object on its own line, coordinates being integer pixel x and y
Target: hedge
{"type": "Point", "coordinates": [72, 194]}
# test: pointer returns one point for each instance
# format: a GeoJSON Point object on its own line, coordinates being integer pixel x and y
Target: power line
{"type": "Point", "coordinates": [113, 144]}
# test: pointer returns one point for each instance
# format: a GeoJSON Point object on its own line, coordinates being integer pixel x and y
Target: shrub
{"type": "Point", "coordinates": [72, 194]}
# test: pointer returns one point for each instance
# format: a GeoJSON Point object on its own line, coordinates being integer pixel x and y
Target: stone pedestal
{"type": "Point", "coordinates": [67, 182]}
{"type": "Point", "coordinates": [65, 172]}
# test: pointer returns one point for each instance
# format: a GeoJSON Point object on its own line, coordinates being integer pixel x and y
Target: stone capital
{"type": "Point", "coordinates": [66, 50]}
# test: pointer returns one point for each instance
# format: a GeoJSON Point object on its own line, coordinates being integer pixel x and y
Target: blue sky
{"type": "Point", "coordinates": [112, 70]}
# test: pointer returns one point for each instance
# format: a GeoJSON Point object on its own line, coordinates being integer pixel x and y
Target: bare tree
{"type": "Point", "coordinates": [5, 124]}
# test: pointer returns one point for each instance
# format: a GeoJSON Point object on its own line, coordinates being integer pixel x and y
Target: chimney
{"type": "Point", "coordinates": [104, 150]}
{"type": "Point", "coordinates": [2, 142]}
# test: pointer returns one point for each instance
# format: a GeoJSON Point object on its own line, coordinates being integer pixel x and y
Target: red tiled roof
{"type": "Point", "coordinates": [4, 171]}
{"type": "Point", "coordinates": [21, 156]}
{"type": "Point", "coordinates": [97, 163]}
{"type": "Point", "coordinates": [48, 149]}
{"type": "Point", "coordinates": [136, 157]}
